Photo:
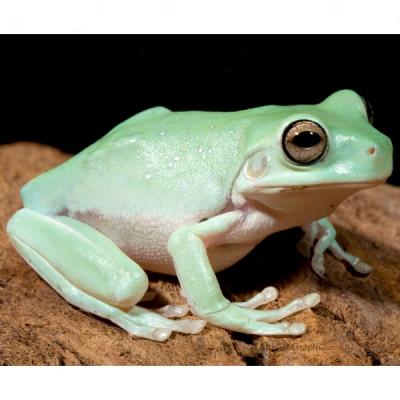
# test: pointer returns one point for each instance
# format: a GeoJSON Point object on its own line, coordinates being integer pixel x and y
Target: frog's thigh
{"type": "Point", "coordinates": [82, 255]}
{"type": "Point", "coordinates": [89, 271]}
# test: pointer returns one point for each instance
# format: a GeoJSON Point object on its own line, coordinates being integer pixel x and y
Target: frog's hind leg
{"type": "Point", "coordinates": [90, 272]}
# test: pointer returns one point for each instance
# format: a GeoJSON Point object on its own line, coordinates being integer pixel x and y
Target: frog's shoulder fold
{"type": "Point", "coordinates": [150, 113]}
{"type": "Point", "coordinates": [137, 119]}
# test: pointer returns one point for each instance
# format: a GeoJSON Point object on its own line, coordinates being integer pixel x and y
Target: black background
{"type": "Point", "coordinates": [68, 91]}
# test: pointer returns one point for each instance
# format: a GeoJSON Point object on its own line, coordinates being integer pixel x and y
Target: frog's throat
{"type": "Point", "coordinates": [348, 185]}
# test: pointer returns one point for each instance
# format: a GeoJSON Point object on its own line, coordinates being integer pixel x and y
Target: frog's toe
{"type": "Point", "coordinates": [361, 268]}
{"type": "Point", "coordinates": [293, 307]}
{"type": "Point", "coordinates": [135, 327]}
{"type": "Point", "coordinates": [297, 329]}
{"type": "Point", "coordinates": [280, 329]}
{"type": "Point", "coordinates": [318, 266]}
{"type": "Point", "coordinates": [149, 318]}
{"type": "Point", "coordinates": [266, 296]}
{"type": "Point", "coordinates": [354, 265]}
{"type": "Point", "coordinates": [170, 311]}
{"type": "Point", "coordinates": [160, 334]}
{"type": "Point", "coordinates": [191, 326]}
{"type": "Point", "coordinates": [311, 300]}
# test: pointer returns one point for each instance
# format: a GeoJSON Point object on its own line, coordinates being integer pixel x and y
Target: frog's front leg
{"type": "Point", "coordinates": [324, 233]}
{"type": "Point", "coordinates": [92, 273]}
{"type": "Point", "coordinates": [188, 247]}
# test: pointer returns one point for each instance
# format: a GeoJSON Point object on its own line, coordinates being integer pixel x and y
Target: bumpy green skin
{"type": "Point", "coordinates": [190, 193]}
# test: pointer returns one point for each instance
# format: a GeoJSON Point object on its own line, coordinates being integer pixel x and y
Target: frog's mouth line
{"type": "Point", "coordinates": [350, 185]}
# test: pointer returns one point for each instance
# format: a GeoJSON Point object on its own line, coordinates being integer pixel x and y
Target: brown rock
{"type": "Point", "coordinates": [357, 322]}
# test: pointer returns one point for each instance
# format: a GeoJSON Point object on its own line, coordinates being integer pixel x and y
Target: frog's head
{"type": "Point", "coordinates": [313, 156]}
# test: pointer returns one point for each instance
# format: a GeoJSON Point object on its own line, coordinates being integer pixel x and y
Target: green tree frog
{"type": "Point", "coordinates": [191, 193]}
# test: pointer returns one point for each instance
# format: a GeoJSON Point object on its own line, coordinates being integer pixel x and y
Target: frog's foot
{"type": "Point", "coordinates": [258, 322]}
{"type": "Point", "coordinates": [323, 233]}
{"type": "Point", "coordinates": [266, 296]}
{"type": "Point", "coordinates": [91, 272]}
{"type": "Point", "coordinates": [146, 317]}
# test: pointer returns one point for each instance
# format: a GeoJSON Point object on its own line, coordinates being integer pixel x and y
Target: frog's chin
{"type": "Point", "coordinates": [321, 198]}
{"type": "Point", "coordinates": [321, 186]}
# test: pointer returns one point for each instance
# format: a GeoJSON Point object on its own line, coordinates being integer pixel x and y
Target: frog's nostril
{"type": "Point", "coordinates": [371, 151]}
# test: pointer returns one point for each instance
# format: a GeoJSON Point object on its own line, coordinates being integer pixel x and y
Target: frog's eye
{"type": "Point", "coordinates": [368, 110]}
{"type": "Point", "coordinates": [304, 142]}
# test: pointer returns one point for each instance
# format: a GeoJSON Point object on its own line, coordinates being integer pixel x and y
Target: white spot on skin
{"type": "Point", "coordinates": [123, 142]}
{"type": "Point", "coordinates": [162, 133]}
{"type": "Point", "coordinates": [176, 158]}
{"type": "Point", "coordinates": [170, 164]}
{"type": "Point", "coordinates": [343, 168]}
{"type": "Point", "coordinates": [345, 138]}
{"type": "Point", "coordinates": [148, 176]}
{"type": "Point", "coordinates": [200, 150]}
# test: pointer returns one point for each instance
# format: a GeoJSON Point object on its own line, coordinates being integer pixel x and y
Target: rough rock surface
{"type": "Point", "coordinates": [357, 322]}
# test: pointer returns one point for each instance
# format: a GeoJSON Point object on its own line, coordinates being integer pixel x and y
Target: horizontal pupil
{"type": "Point", "coordinates": [306, 139]}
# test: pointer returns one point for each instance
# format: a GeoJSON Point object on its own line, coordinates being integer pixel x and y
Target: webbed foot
{"type": "Point", "coordinates": [242, 317]}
